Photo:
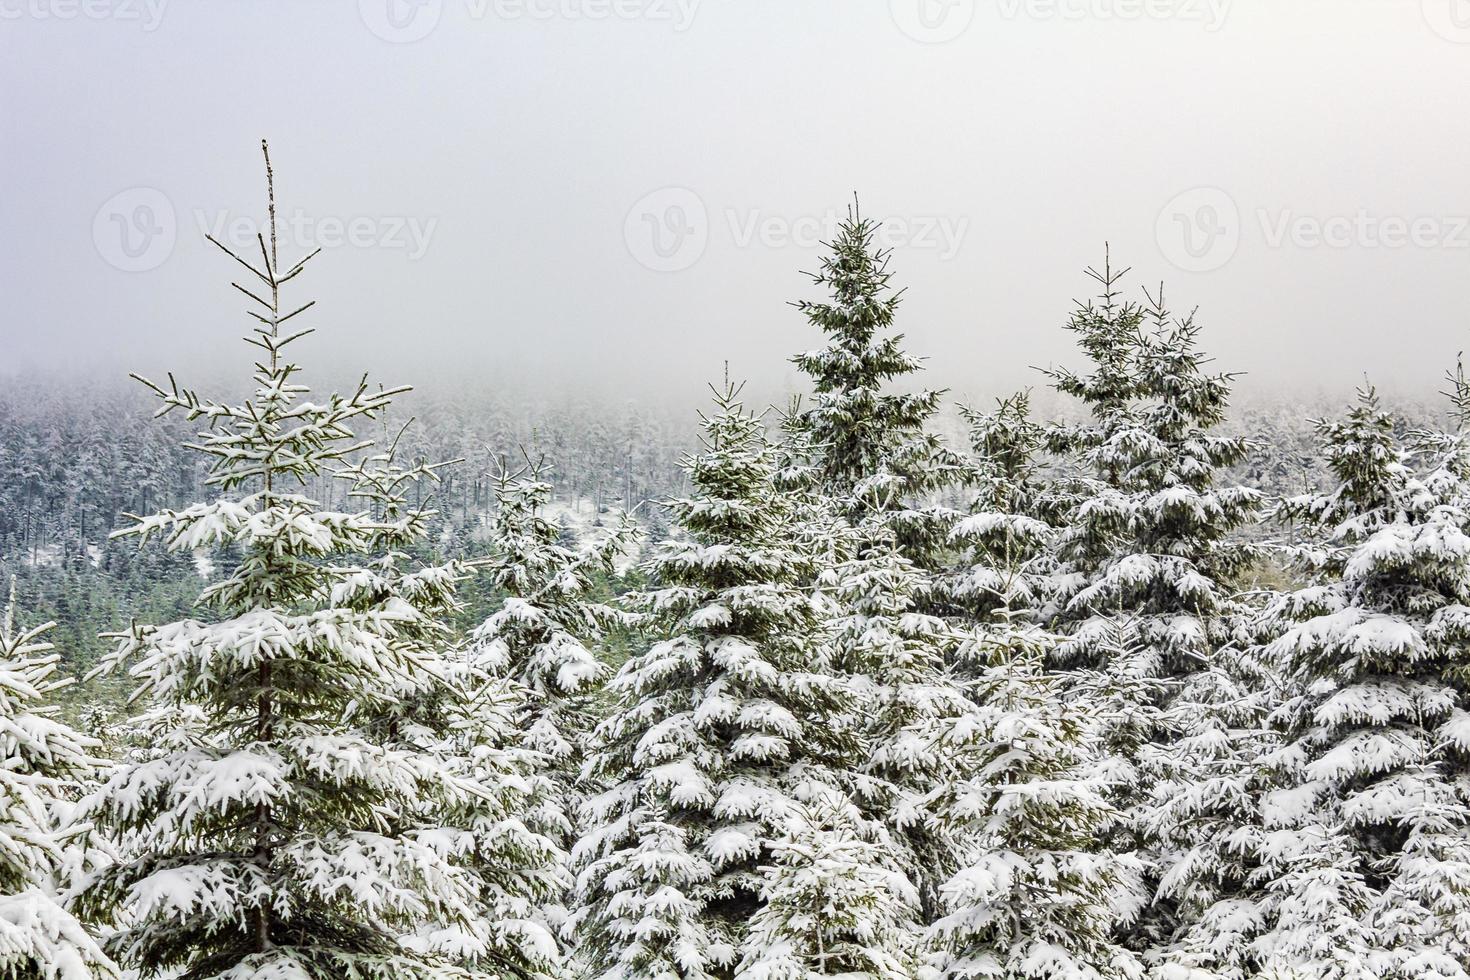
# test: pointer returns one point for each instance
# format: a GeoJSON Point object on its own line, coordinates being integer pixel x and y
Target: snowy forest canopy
{"type": "Point", "coordinates": [868, 686]}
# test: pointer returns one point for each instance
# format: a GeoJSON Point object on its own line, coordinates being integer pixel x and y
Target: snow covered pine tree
{"type": "Point", "coordinates": [895, 657]}
{"type": "Point", "coordinates": [1366, 857]}
{"type": "Point", "coordinates": [830, 909]}
{"type": "Point", "coordinates": [871, 451]}
{"type": "Point", "coordinates": [280, 842]}
{"type": "Point", "coordinates": [544, 638]}
{"type": "Point", "coordinates": [44, 764]}
{"type": "Point", "coordinates": [718, 730]}
{"type": "Point", "coordinates": [471, 723]}
{"type": "Point", "coordinates": [866, 449]}
{"type": "Point", "coordinates": [1146, 561]}
{"type": "Point", "coordinates": [1038, 895]}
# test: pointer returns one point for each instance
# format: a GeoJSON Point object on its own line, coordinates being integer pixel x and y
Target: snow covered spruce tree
{"type": "Point", "coordinates": [830, 909]}
{"type": "Point", "coordinates": [872, 452]}
{"type": "Point", "coordinates": [896, 658]}
{"type": "Point", "coordinates": [1037, 894]}
{"type": "Point", "coordinates": [1146, 561]}
{"type": "Point", "coordinates": [279, 839]}
{"type": "Point", "coordinates": [471, 722]}
{"type": "Point", "coordinates": [1366, 857]}
{"type": "Point", "coordinates": [717, 730]}
{"type": "Point", "coordinates": [544, 638]}
{"type": "Point", "coordinates": [546, 632]}
{"type": "Point", "coordinates": [1003, 565]}
{"type": "Point", "coordinates": [45, 764]}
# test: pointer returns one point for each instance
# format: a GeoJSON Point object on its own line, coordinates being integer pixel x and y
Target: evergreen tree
{"type": "Point", "coordinates": [896, 656]}
{"type": "Point", "coordinates": [871, 450]}
{"type": "Point", "coordinates": [544, 640]}
{"type": "Point", "coordinates": [1207, 804]}
{"type": "Point", "coordinates": [44, 764]}
{"type": "Point", "coordinates": [1146, 561]}
{"type": "Point", "coordinates": [831, 909]}
{"type": "Point", "coordinates": [1366, 859]}
{"type": "Point", "coordinates": [471, 722]}
{"type": "Point", "coordinates": [546, 633]}
{"type": "Point", "coordinates": [278, 838]}
{"type": "Point", "coordinates": [1037, 894]}
{"type": "Point", "coordinates": [1003, 544]}
{"type": "Point", "coordinates": [893, 655]}
{"type": "Point", "coordinates": [718, 729]}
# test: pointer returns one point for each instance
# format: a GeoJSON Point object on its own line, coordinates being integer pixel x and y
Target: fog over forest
{"type": "Point", "coordinates": [734, 490]}
{"type": "Point", "coordinates": [494, 181]}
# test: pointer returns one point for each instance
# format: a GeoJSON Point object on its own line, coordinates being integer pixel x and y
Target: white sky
{"type": "Point", "coordinates": [502, 178]}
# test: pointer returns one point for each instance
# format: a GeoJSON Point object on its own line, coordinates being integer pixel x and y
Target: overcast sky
{"type": "Point", "coordinates": [625, 192]}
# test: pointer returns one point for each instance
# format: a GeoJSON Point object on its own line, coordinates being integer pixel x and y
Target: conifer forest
{"type": "Point", "coordinates": [835, 696]}
{"type": "Point", "coordinates": [1125, 636]}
